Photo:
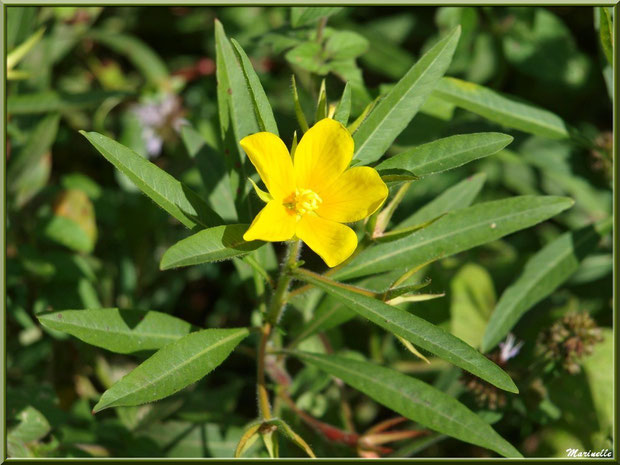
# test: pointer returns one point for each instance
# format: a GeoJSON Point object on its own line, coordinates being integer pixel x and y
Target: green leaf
{"type": "Point", "coordinates": [394, 112]}
{"type": "Point", "coordinates": [32, 180]}
{"type": "Point", "coordinates": [459, 196]}
{"type": "Point", "coordinates": [19, 52]}
{"type": "Point", "coordinates": [383, 55]}
{"type": "Point", "coordinates": [240, 103]}
{"type": "Point", "coordinates": [49, 101]}
{"type": "Point", "coordinates": [152, 67]}
{"type": "Point", "coordinates": [543, 273]}
{"type": "Point", "coordinates": [600, 376]}
{"type": "Point", "coordinates": [540, 45]}
{"type": "Point", "coordinates": [472, 301]}
{"type": "Point", "coordinates": [173, 196]}
{"type": "Point", "coordinates": [173, 367]}
{"type": "Point", "coordinates": [73, 222]}
{"type": "Point", "coordinates": [209, 245]}
{"type": "Point", "coordinates": [237, 116]}
{"type": "Point", "coordinates": [32, 426]}
{"type": "Point", "coordinates": [20, 22]}
{"type": "Point", "coordinates": [593, 268]}
{"type": "Point", "coordinates": [606, 33]}
{"type": "Point", "coordinates": [302, 15]}
{"type": "Point", "coordinates": [438, 108]}
{"type": "Point", "coordinates": [413, 399]}
{"type": "Point", "coordinates": [354, 126]}
{"type": "Point", "coordinates": [262, 108]}
{"type": "Point", "coordinates": [501, 109]}
{"type": "Point", "coordinates": [446, 154]}
{"type": "Point", "coordinates": [32, 153]}
{"type": "Point", "coordinates": [343, 109]}
{"type": "Point", "coordinates": [331, 312]}
{"type": "Point", "coordinates": [554, 159]}
{"type": "Point", "coordinates": [299, 112]}
{"type": "Point", "coordinates": [67, 232]}
{"type": "Point", "coordinates": [321, 105]}
{"type": "Point", "coordinates": [192, 439]}
{"type": "Point", "coordinates": [38, 143]}
{"type": "Point", "coordinates": [455, 232]}
{"type": "Point", "coordinates": [118, 330]}
{"type": "Point", "coordinates": [309, 56]}
{"type": "Point", "coordinates": [344, 45]}
{"type": "Point", "coordinates": [396, 234]}
{"type": "Point", "coordinates": [416, 330]}
{"type": "Point", "coordinates": [213, 173]}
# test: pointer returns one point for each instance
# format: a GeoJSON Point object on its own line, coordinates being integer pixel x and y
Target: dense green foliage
{"type": "Point", "coordinates": [475, 316]}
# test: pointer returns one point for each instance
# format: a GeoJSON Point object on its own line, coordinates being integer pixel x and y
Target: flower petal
{"type": "Point", "coordinates": [323, 153]}
{"type": "Point", "coordinates": [333, 242]}
{"type": "Point", "coordinates": [356, 194]}
{"type": "Point", "coordinates": [271, 159]}
{"type": "Point", "coordinates": [273, 223]}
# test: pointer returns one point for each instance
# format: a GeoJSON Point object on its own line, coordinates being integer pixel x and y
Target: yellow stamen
{"type": "Point", "coordinates": [302, 201]}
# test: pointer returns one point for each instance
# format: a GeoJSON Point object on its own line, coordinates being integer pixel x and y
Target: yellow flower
{"type": "Point", "coordinates": [310, 197]}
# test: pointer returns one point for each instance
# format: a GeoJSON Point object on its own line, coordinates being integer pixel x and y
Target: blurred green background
{"type": "Point", "coordinates": [79, 235]}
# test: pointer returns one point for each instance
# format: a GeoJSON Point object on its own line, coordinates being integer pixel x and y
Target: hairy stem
{"type": "Point", "coordinates": [271, 319]}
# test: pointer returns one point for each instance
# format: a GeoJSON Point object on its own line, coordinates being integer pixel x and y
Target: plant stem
{"type": "Point", "coordinates": [261, 389]}
{"type": "Point", "coordinates": [271, 319]}
{"type": "Point", "coordinates": [320, 28]}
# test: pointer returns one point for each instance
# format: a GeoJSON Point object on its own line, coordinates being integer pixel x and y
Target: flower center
{"type": "Point", "coordinates": [302, 201]}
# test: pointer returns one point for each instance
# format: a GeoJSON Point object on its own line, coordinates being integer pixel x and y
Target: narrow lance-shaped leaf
{"type": "Point", "coordinates": [238, 93]}
{"type": "Point", "coordinates": [321, 104]}
{"type": "Point", "coordinates": [606, 33]}
{"type": "Point", "coordinates": [236, 116]}
{"type": "Point", "coordinates": [302, 15]}
{"type": "Point", "coordinates": [472, 298]}
{"type": "Point", "coordinates": [39, 142]}
{"type": "Point", "coordinates": [172, 195]}
{"type": "Point", "coordinates": [173, 367]}
{"type": "Point", "coordinates": [249, 437]}
{"type": "Point", "coordinates": [455, 232]}
{"type": "Point", "coordinates": [48, 101]}
{"type": "Point", "coordinates": [19, 52]}
{"type": "Point", "coordinates": [343, 109]}
{"type": "Point", "coordinates": [394, 112]}
{"type": "Point", "coordinates": [543, 273]}
{"type": "Point", "coordinates": [213, 173]}
{"type": "Point", "coordinates": [445, 154]}
{"type": "Point", "coordinates": [299, 113]}
{"type": "Point", "coordinates": [209, 245]}
{"type": "Point", "coordinates": [331, 312]}
{"type": "Point", "coordinates": [593, 268]}
{"type": "Point", "coordinates": [416, 330]}
{"type": "Point", "coordinates": [262, 108]}
{"type": "Point", "coordinates": [459, 196]}
{"type": "Point", "coordinates": [354, 126]}
{"type": "Point", "coordinates": [119, 330]}
{"type": "Point", "coordinates": [413, 399]}
{"type": "Point", "coordinates": [501, 109]}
